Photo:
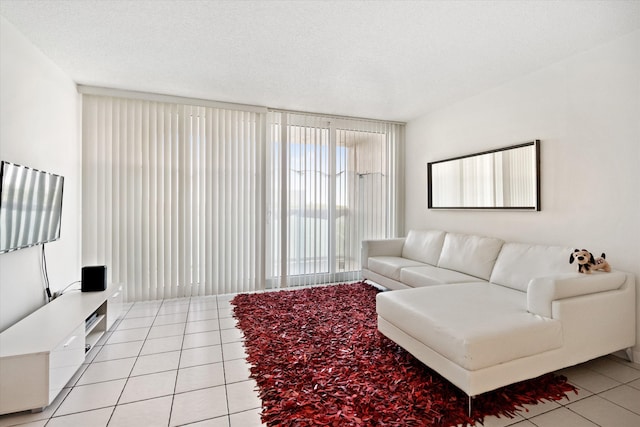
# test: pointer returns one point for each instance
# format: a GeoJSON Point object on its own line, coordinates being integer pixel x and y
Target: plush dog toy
{"type": "Point", "coordinates": [587, 263]}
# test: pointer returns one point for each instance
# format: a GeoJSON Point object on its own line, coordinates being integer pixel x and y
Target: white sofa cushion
{"type": "Point", "coordinates": [475, 325]}
{"type": "Point", "coordinates": [423, 245]}
{"type": "Point", "coordinates": [429, 275]}
{"type": "Point", "coordinates": [473, 255]}
{"type": "Point", "coordinates": [518, 263]}
{"type": "Point", "coordinates": [390, 266]}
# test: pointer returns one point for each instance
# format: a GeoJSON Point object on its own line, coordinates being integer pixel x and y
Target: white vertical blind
{"type": "Point", "coordinates": [183, 200]}
{"type": "Point", "coordinates": [332, 182]}
{"type": "Point", "coordinates": [173, 196]}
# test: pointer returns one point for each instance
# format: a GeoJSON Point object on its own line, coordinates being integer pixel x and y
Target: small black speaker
{"type": "Point", "coordinates": [94, 278]}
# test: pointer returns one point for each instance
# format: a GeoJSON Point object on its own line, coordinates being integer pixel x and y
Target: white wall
{"type": "Point", "coordinates": [39, 123]}
{"type": "Point", "coordinates": [586, 112]}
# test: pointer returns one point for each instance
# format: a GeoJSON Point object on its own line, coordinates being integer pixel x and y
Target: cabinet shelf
{"type": "Point", "coordinates": [95, 322]}
{"type": "Point", "coordinates": [94, 331]}
{"type": "Point", "coordinates": [50, 346]}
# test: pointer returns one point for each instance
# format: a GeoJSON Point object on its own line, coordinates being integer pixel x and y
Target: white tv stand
{"type": "Point", "coordinates": [40, 353]}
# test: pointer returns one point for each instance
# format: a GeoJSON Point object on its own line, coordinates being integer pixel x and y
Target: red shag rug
{"type": "Point", "coordinates": [319, 359]}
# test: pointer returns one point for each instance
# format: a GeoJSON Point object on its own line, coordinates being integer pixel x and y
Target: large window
{"type": "Point", "coordinates": [332, 183]}
{"type": "Point", "coordinates": [182, 200]}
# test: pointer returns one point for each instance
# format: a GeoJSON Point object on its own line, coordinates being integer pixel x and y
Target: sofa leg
{"type": "Point", "coordinates": [469, 399]}
{"type": "Point", "coordinates": [629, 353]}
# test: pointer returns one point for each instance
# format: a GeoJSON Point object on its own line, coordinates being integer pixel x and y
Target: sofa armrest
{"type": "Point", "coordinates": [382, 247]}
{"type": "Point", "coordinates": [542, 291]}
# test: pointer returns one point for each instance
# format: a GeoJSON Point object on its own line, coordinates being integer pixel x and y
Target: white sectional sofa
{"type": "Point", "coordinates": [486, 313]}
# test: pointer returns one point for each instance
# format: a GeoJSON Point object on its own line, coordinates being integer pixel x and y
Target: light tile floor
{"type": "Point", "coordinates": [181, 362]}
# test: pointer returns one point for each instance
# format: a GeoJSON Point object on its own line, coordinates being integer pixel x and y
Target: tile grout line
{"type": "Point", "coordinates": [583, 417]}
{"type": "Point", "coordinates": [618, 405]}
{"type": "Point", "coordinates": [224, 365]}
{"type": "Point", "coordinates": [175, 382]}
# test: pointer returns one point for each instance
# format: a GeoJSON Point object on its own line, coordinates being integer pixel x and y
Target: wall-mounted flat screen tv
{"type": "Point", "coordinates": [30, 206]}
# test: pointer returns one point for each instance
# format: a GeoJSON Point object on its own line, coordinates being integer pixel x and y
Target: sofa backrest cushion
{"type": "Point", "coordinates": [473, 255]}
{"type": "Point", "coordinates": [518, 263]}
{"type": "Point", "coordinates": [423, 245]}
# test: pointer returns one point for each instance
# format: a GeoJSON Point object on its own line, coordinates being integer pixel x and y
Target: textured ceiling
{"type": "Point", "coordinates": [384, 59]}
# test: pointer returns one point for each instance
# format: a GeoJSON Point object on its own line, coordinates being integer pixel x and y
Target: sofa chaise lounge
{"type": "Point", "coordinates": [485, 313]}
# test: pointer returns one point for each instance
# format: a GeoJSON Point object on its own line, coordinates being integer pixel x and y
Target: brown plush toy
{"type": "Point", "coordinates": [586, 262]}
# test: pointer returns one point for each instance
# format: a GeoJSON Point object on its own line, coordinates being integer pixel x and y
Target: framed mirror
{"type": "Point", "coordinates": [503, 179]}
